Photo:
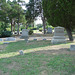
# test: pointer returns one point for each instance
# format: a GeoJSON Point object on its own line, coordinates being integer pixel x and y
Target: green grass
{"type": "Point", "coordinates": [1, 43]}
{"type": "Point", "coordinates": [22, 45]}
{"type": "Point", "coordinates": [38, 64]}
{"type": "Point", "coordinates": [35, 63]}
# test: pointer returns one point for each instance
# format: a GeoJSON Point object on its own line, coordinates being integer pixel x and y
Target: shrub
{"type": "Point", "coordinates": [40, 29]}
{"type": "Point", "coordinates": [30, 32]}
{"type": "Point", "coordinates": [6, 34]}
{"type": "Point", "coordinates": [8, 29]}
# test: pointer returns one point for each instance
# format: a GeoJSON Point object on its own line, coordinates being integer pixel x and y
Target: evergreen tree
{"type": "Point", "coordinates": [60, 13]}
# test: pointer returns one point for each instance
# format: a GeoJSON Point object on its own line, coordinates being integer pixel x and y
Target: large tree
{"type": "Point", "coordinates": [16, 14]}
{"type": "Point", "coordinates": [34, 9]}
{"type": "Point", "coordinates": [60, 13]}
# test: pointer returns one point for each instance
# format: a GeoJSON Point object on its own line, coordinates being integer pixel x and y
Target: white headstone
{"type": "Point", "coordinates": [25, 34]}
{"type": "Point", "coordinates": [72, 47]}
{"type": "Point", "coordinates": [58, 36]}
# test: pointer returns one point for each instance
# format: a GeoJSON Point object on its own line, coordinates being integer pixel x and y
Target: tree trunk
{"type": "Point", "coordinates": [11, 27]}
{"type": "Point", "coordinates": [44, 24]}
{"type": "Point", "coordinates": [69, 34]}
{"type": "Point", "coordinates": [14, 27]}
{"type": "Point", "coordinates": [27, 25]}
{"type": "Point", "coordinates": [18, 29]}
{"type": "Point", "coordinates": [18, 26]}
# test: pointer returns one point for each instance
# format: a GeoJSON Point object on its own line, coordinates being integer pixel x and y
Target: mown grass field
{"type": "Point", "coordinates": [40, 58]}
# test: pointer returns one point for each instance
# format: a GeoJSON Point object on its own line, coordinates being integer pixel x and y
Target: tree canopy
{"type": "Point", "coordinates": [60, 13]}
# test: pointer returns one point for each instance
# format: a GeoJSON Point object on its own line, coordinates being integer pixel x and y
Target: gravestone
{"type": "Point", "coordinates": [58, 36]}
{"type": "Point", "coordinates": [72, 47]}
{"type": "Point", "coordinates": [21, 52]}
{"type": "Point", "coordinates": [35, 39]}
{"type": "Point", "coordinates": [1, 39]}
{"type": "Point", "coordinates": [49, 31]}
{"type": "Point", "coordinates": [10, 39]}
{"type": "Point", "coordinates": [25, 34]}
{"type": "Point", "coordinates": [44, 39]}
{"type": "Point", "coordinates": [6, 42]}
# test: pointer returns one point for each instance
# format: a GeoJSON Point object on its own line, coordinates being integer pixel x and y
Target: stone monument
{"type": "Point", "coordinates": [72, 47]}
{"type": "Point", "coordinates": [58, 36]}
{"type": "Point", "coordinates": [49, 31]}
{"type": "Point", "coordinates": [25, 34]}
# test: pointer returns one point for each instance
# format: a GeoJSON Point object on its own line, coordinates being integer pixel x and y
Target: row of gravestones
{"type": "Point", "coordinates": [49, 31]}
{"type": "Point", "coordinates": [57, 38]}
{"type": "Point", "coordinates": [8, 39]}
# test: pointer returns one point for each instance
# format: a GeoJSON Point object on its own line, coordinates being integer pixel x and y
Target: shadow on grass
{"type": "Point", "coordinates": [36, 62]}
{"type": "Point", "coordinates": [22, 45]}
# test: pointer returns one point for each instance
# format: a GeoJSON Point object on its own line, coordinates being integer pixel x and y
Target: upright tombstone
{"type": "Point", "coordinates": [25, 34]}
{"type": "Point", "coordinates": [49, 31]}
{"type": "Point", "coordinates": [58, 36]}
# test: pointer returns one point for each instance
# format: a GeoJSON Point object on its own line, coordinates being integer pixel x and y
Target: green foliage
{"type": "Point", "coordinates": [59, 12]}
{"type": "Point", "coordinates": [32, 28]}
{"type": "Point", "coordinates": [3, 27]}
{"type": "Point", "coordinates": [8, 29]}
{"type": "Point", "coordinates": [6, 34]}
{"type": "Point", "coordinates": [39, 26]}
{"type": "Point", "coordinates": [40, 29]}
{"type": "Point", "coordinates": [30, 32]}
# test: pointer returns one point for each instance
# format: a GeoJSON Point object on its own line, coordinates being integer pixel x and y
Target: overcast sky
{"type": "Point", "coordinates": [25, 1]}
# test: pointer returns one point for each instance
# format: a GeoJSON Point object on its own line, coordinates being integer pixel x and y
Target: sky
{"type": "Point", "coordinates": [25, 1]}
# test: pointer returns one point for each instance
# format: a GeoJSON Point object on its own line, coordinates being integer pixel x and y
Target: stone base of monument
{"type": "Point", "coordinates": [24, 37]}
{"type": "Point", "coordinates": [49, 32]}
{"type": "Point", "coordinates": [58, 39]}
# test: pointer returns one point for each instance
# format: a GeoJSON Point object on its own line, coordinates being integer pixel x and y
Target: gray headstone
{"type": "Point", "coordinates": [44, 39]}
{"type": "Point", "coordinates": [10, 39]}
{"type": "Point", "coordinates": [21, 52]}
{"type": "Point", "coordinates": [1, 39]}
{"type": "Point", "coordinates": [49, 30]}
{"type": "Point", "coordinates": [58, 36]}
{"type": "Point", "coordinates": [6, 42]}
{"type": "Point", "coordinates": [25, 34]}
{"type": "Point", "coordinates": [72, 47]}
{"type": "Point", "coordinates": [35, 39]}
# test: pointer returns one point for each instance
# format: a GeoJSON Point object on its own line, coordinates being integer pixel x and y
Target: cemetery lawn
{"type": "Point", "coordinates": [40, 58]}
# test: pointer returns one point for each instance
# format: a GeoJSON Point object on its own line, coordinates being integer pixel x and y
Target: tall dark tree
{"type": "Point", "coordinates": [60, 13]}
